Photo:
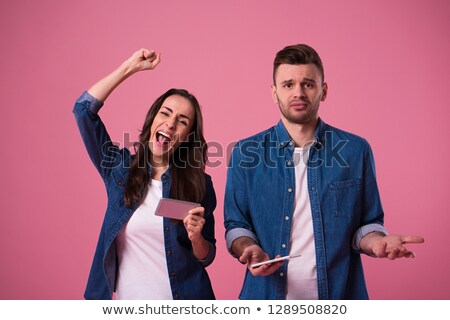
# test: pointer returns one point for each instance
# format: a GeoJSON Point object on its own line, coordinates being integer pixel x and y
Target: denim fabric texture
{"type": "Point", "coordinates": [187, 275]}
{"type": "Point", "coordinates": [345, 205]}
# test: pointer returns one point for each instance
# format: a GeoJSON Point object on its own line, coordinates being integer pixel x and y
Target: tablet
{"type": "Point", "coordinates": [275, 260]}
{"type": "Point", "coordinates": [174, 209]}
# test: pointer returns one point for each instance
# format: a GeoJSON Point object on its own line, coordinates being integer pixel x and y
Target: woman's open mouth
{"type": "Point", "coordinates": [163, 138]}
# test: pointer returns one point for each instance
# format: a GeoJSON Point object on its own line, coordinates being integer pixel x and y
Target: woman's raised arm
{"type": "Point", "coordinates": [142, 59]}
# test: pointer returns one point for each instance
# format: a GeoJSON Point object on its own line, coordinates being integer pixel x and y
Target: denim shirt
{"type": "Point", "coordinates": [187, 275]}
{"type": "Point", "coordinates": [344, 198]}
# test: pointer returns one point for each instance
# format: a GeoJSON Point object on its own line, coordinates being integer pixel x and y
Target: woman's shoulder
{"type": "Point", "coordinates": [210, 192]}
{"type": "Point", "coordinates": [208, 180]}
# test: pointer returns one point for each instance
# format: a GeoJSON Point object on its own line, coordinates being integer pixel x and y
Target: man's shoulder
{"type": "Point", "coordinates": [344, 135]}
{"type": "Point", "coordinates": [258, 137]}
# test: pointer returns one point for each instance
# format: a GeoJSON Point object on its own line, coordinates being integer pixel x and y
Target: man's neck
{"type": "Point", "coordinates": [302, 134]}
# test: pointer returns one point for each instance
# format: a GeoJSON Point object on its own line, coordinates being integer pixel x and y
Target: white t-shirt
{"type": "Point", "coordinates": [302, 274]}
{"type": "Point", "coordinates": [143, 271]}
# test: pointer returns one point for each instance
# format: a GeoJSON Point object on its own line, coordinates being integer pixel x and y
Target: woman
{"type": "Point", "coordinates": [140, 255]}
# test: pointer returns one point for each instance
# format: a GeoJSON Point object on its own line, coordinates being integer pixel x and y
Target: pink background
{"type": "Point", "coordinates": [386, 64]}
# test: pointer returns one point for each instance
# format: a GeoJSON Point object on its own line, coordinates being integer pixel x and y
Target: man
{"type": "Point", "coordinates": [305, 188]}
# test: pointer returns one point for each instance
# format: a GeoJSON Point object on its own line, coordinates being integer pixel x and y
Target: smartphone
{"type": "Point", "coordinates": [174, 209]}
{"type": "Point", "coordinates": [274, 260]}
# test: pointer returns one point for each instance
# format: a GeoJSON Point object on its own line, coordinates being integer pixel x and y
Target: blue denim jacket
{"type": "Point", "coordinates": [345, 205]}
{"type": "Point", "coordinates": [187, 275]}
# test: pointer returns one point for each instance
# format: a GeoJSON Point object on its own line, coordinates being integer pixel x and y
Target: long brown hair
{"type": "Point", "coordinates": [187, 161]}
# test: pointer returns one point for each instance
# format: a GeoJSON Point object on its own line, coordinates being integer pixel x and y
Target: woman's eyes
{"type": "Point", "coordinates": [181, 121]}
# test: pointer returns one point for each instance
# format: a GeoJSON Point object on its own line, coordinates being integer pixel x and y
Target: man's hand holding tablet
{"type": "Point", "coordinates": [255, 265]}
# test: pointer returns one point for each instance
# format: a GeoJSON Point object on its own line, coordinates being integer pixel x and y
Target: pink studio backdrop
{"type": "Point", "coordinates": [386, 63]}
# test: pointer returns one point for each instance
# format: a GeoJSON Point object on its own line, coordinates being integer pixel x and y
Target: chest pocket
{"type": "Point", "coordinates": [345, 197]}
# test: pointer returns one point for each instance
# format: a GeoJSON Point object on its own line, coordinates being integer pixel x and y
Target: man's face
{"type": "Point", "coordinates": [298, 91]}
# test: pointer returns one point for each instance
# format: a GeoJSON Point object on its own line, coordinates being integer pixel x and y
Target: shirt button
{"type": "Point", "coordinates": [291, 143]}
{"type": "Point", "coordinates": [165, 187]}
{"type": "Point", "coordinates": [289, 163]}
{"type": "Point", "coordinates": [172, 274]}
{"type": "Point", "coordinates": [177, 296]}
{"type": "Point", "coordinates": [169, 252]}
{"type": "Point", "coordinates": [290, 190]}
{"type": "Point", "coordinates": [167, 229]}
{"type": "Point", "coordinates": [281, 144]}
{"type": "Point", "coordinates": [283, 246]}
{"type": "Point", "coordinates": [286, 218]}
{"type": "Point", "coordinates": [281, 274]}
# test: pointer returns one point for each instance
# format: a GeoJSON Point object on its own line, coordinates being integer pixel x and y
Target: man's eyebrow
{"type": "Point", "coordinates": [309, 79]}
{"type": "Point", "coordinates": [181, 115]}
{"type": "Point", "coordinates": [286, 81]}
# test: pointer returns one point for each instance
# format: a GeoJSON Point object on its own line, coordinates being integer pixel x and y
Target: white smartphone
{"type": "Point", "coordinates": [174, 209]}
{"type": "Point", "coordinates": [255, 265]}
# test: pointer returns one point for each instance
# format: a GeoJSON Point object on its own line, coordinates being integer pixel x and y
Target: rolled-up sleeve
{"type": "Point", "coordinates": [364, 231]}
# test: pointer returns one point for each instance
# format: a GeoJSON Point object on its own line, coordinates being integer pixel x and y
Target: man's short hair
{"type": "Point", "coordinates": [297, 54]}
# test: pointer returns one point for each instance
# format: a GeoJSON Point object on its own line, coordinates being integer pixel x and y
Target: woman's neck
{"type": "Point", "coordinates": [158, 170]}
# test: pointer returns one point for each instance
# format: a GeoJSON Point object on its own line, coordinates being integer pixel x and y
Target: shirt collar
{"type": "Point", "coordinates": [167, 173]}
{"type": "Point", "coordinates": [284, 139]}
